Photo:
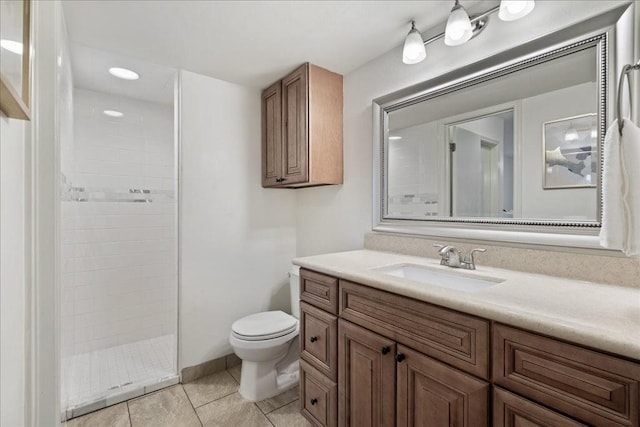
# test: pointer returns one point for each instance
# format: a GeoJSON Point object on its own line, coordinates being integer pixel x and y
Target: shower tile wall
{"type": "Point", "coordinates": [119, 274]}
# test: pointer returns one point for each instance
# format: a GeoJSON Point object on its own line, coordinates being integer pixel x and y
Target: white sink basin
{"type": "Point", "coordinates": [451, 280]}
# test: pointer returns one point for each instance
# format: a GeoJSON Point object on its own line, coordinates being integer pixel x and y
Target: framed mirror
{"type": "Point", "coordinates": [507, 149]}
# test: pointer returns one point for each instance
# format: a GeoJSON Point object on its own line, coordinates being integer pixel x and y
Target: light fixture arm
{"type": "Point", "coordinates": [479, 22]}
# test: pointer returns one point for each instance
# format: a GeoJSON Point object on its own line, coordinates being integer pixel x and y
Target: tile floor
{"type": "Point", "coordinates": [209, 401]}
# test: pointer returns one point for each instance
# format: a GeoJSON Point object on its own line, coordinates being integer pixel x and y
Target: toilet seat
{"type": "Point", "coordinates": [264, 326]}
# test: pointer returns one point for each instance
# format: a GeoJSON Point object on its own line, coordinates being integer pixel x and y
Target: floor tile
{"type": "Point", "coordinates": [235, 372]}
{"type": "Point", "coordinates": [169, 407]}
{"type": "Point", "coordinates": [278, 401]}
{"type": "Point", "coordinates": [288, 416]}
{"type": "Point", "coordinates": [113, 416]}
{"type": "Point", "coordinates": [209, 388]}
{"type": "Point", "coordinates": [232, 410]}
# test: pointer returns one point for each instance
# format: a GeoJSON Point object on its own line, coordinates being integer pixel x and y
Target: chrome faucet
{"type": "Point", "coordinates": [451, 257]}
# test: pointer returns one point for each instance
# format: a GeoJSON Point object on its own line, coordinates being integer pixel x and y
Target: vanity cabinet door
{"type": "Point", "coordinates": [318, 400]}
{"type": "Point", "coordinates": [366, 377]}
{"type": "Point", "coordinates": [318, 339]}
{"type": "Point", "coordinates": [510, 410]}
{"type": "Point", "coordinates": [433, 394]}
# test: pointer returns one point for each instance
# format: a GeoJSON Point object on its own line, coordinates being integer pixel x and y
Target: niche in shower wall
{"type": "Point", "coordinates": [118, 234]}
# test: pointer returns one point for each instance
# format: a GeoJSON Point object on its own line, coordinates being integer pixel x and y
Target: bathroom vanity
{"type": "Point", "coordinates": [378, 349]}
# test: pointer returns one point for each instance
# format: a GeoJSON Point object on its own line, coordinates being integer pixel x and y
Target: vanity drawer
{"type": "Point", "coordinates": [319, 290]}
{"type": "Point", "coordinates": [318, 338]}
{"type": "Point", "coordinates": [592, 387]}
{"type": "Point", "coordinates": [510, 410]}
{"type": "Point", "coordinates": [454, 338]}
{"type": "Point", "coordinates": [318, 397]}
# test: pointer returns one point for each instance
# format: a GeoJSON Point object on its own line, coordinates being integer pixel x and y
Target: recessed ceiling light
{"type": "Point", "coordinates": [123, 73]}
{"type": "Point", "coordinates": [394, 138]}
{"type": "Point", "coordinates": [11, 46]}
{"type": "Point", "coordinates": [113, 113]}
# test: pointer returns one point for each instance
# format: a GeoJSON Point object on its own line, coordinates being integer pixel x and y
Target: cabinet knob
{"type": "Point", "coordinates": [385, 350]}
{"type": "Point", "coordinates": [314, 401]}
{"type": "Point", "coordinates": [400, 357]}
{"type": "Point", "coordinates": [313, 339]}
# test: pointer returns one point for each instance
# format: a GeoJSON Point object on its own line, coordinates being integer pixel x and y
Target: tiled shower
{"type": "Point", "coordinates": [118, 243]}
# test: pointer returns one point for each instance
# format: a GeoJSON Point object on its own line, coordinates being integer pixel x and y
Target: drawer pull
{"type": "Point", "coordinates": [314, 401]}
{"type": "Point", "coordinates": [313, 339]}
{"type": "Point", "coordinates": [385, 350]}
{"type": "Point", "coordinates": [400, 357]}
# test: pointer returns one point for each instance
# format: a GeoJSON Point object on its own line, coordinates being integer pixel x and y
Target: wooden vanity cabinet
{"type": "Point", "coordinates": [403, 362]}
{"type": "Point", "coordinates": [302, 129]}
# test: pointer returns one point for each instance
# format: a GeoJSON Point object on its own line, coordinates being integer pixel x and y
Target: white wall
{"type": "Point", "coordinates": [575, 203]}
{"type": "Point", "coordinates": [335, 218]}
{"type": "Point", "coordinates": [119, 260]}
{"type": "Point", "coordinates": [237, 239]}
{"type": "Point", "coordinates": [12, 270]}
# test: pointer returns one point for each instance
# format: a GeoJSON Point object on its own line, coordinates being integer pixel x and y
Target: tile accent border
{"type": "Point", "coordinates": [214, 366]}
{"type": "Point", "coordinates": [611, 270]}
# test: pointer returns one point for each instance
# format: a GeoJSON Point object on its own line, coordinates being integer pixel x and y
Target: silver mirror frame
{"type": "Point", "coordinates": [599, 32]}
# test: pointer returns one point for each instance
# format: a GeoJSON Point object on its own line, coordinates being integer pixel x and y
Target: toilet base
{"type": "Point", "coordinates": [262, 380]}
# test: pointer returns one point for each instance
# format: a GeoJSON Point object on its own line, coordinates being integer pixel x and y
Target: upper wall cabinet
{"type": "Point", "coordinates": [302, 129]}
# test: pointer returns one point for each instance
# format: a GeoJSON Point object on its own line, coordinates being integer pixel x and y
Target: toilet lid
{"type": "Point", "coordinates": [265, 325]}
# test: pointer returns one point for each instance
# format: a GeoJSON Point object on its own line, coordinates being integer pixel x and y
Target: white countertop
{"type": "Point", "coordinates": [605, 317]}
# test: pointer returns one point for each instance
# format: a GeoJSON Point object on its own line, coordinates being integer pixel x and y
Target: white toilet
{"type": "Point", "coordinates": [267, 343]}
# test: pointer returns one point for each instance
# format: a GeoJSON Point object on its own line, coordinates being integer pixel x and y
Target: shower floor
{"type": "Point", "coordinates": [120, 370]}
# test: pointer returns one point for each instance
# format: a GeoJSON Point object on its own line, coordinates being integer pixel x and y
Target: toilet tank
{"type": "Point", "coordinates": [294, 285]}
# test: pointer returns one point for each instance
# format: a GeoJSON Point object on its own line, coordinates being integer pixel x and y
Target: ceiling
{"type": "Point", "coordinates": [252, 43]}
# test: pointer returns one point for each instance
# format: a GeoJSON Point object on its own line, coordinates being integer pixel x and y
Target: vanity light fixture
{"type": "Point", "coordinates": [461, 28]}
{"type": "Point", "coordinates": [510, 10]}
{"type": "Point", "coordinates": [11, 46]}
{"type": "Point", "coordinates": [413, 51]}
{"type": "Point", "coordinates": [458, 30]}
{"type": "Point", "coordinates": [394, 138]}
{"type": "Point", "coordinates": [112, 113]}
{"type": "Point", "coordinates": [123, 73]}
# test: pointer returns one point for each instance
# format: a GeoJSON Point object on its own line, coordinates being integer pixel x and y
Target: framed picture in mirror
{"type": "Point", "coordinates": [15, 58]}
{"type": "Point", "coordinates": [570, 152]}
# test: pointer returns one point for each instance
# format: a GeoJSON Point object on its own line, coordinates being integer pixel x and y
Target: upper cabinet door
{"type": "Point", "coordinates": [271, 135]}
{"type": "Point", "coordinates": [295, 117]}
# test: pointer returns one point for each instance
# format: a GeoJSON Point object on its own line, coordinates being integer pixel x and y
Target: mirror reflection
{"type": "Point", "coordinates": [520, 146]}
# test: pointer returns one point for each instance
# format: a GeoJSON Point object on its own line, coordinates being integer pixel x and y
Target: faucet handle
{"type": "Point", "coordinates": [471, 265]}
{"type": "Point", "coordinates": [443, 255]}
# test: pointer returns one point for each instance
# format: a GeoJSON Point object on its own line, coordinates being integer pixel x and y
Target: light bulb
{"type": "Point", "coordinates": [458, 30]}
{"type": "Point", "coordinates": [571, 134]}
{"type": "Point", "coordinates": [594, 133]}
{"type": "Point", "coordinates": [413, 51]}
{"type": "Point", "coordinates": [510, 10]}
{"type": "Point", "coordinates": [112, 113]}
{"type": "Point", "coordinates": [123, 73]}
